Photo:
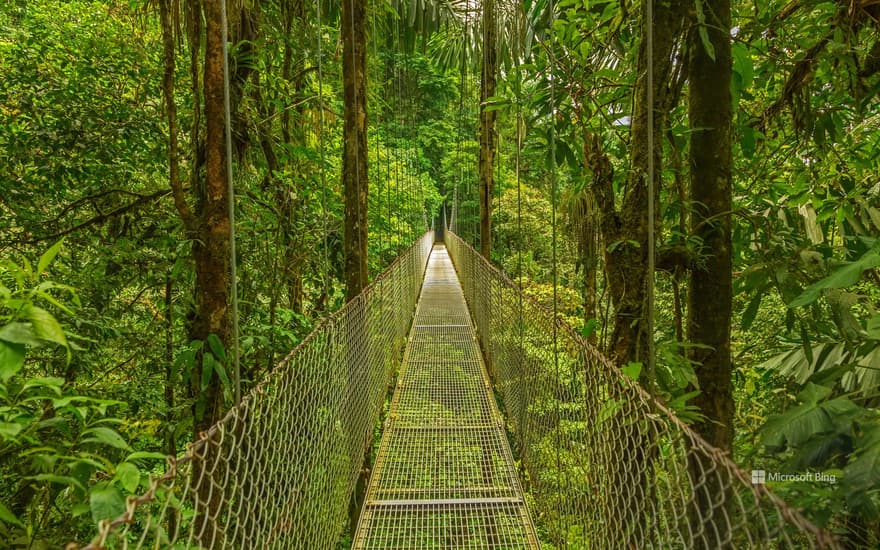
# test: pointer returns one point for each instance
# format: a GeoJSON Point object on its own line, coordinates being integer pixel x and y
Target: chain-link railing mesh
{"type": "Point", "coordinates": [608, 466]}
{"type": "Point", "coordinates": [279, 470]}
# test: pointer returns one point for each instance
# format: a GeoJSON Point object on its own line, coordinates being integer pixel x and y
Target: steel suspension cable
{"type": "Point", "coordinates": [519, 255]}
{"type": "Point", "coordinates": [397, 102]}
{"type": "Point", "coordinates": [461, 187]}
{"type": "Point", "coordinates": [554, 191]}
{"type": "Point", "coordinates": [378, 166]}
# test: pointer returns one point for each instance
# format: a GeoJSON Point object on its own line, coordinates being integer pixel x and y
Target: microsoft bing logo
{"type": "Point", "coordinates": [759, 477]}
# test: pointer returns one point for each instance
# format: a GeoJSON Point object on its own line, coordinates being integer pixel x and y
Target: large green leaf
{"type": "Point", "coordinates": [11, 359]}
{"type": "Point", "coordinates": [58, 479]}
{"type": "Point", "coordinates": [106, 502]}
{"type": "Point", "coordinates": [799, 423]}
{"type": "Point", "coordinates": [7, 517]}
{"type": "Point", "coordinates": [702, 29]}
{"type": "Point", "coordinates": [48, 256]}
{"type": "Point", "coordinates": [51, 383]}
{"type": "Point", "coordinates": [19, 333]}
{"type": "Point", "coordinates": [862, 478]}
{"type": "Point", "coordinates": [873, 327]}
{"type": "Point", "coordinates": [128, 475]}
{"type": "Point", "coordinates": [751, 310]}
{"type": "Point", "coordinates": [46, 326]}
{"type": "Point", "coordinates": [842, 277]}
{"type": "Point", "coordinates": [105, 436]}
{"type": "Point", "coordinates": [9, 430]}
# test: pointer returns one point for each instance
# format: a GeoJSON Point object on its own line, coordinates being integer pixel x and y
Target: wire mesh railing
{"type": "Point", "coordinates": [279, 470]}
{"type": "Point", "coordinates": [609, 466]}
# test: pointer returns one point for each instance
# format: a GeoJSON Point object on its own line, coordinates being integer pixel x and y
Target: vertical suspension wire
{"type": "Point", "coordinates": [474, 183]}
{"type": "Point", "coordinates": [233, 262]}
{"type": "Point", "coordinates": [415, 172]}
{"type": "Point", "coordinates": [459, 191]}
{"type": "Point", "coordinates": [497, 177]}
{"type": "Point", "coordinates": [378, 166]}
{"type": "Point", "coordinates": [397, 102]}
{"type": "Point", "coordinates": [407, 129]}
{"type": "Point", "coordinates": [478, 229]}
{"type": "Point", "coordinates": [323, 170]}
{"type": "Point", "coordinates": [554, 192]}
{"type": "Point", "coordinates": [409, 150]}
{"type": "Point", "coordinates": [388, 171]}
{"type": "Point", "coordinates": [519, 253]}
{"type": "Point", "coordinates": [649, 292]}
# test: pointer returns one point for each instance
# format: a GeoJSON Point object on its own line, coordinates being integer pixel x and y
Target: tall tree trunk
{"type": "Point", "coordinates": [212, 285]}
{"type": "Point", "coordinates": [487, 128]}
{"type": "Point", "coordinates": [169, 62]}
{"type": "Point", "coordinates": [354, 176]}
{"type": "Point", "coordinates": [710, 297]}
{"type": "Point", "coordinates": [211, 250]}
{"type": "Point", "coordinates": [354, 162]}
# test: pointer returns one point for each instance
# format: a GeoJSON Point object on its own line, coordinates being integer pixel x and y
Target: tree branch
{"type": "Point", "coordinates": [796, 81]}
{"type": "Point", "coordinates": [144, 199]}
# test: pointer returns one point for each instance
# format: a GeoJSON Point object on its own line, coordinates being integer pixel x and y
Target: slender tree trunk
{"type": "Point", "coordinates": [183, 209]}
{"type": "Point", "coordinates": [354, 165]}
{"type": "Point", "coordinates": [710, 296]}
{"type": "Point", "coordinates": [211, 250]}
{"type": "Point", "coordinates": [169, 63]}
{"type": "Point", "coordinates": [211, 254]}
{"type": "Point", "coordinates": [679, 271]}
{"type": "Point", "coordinates": [194, 37]}
{"type": "Point", "coordinates": [354, 176]}
{"type": "Point", "coordinates": [170, 382]}
{"type": "Point", "coordinates": [487, 128]}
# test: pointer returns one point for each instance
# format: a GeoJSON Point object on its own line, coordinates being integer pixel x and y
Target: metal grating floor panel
{"type": "Point", "coordinates": [496, 525]}
{"type": "Point", "coordinates": [456, 463]}
{"type": "Point", "coordinates": [444, 476]}
{"type": "Point", "coordinates": [436, 393]}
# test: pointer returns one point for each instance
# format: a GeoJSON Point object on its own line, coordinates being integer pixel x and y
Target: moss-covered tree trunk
{"type": "Point", "coordinates": [354, 175]}
{"type": "Point", "coordinates": [354, 162]}
{"type": "Point", "coordinates": [487, 128]}
{"type": "Point", "coordinates": [212, 284]}
{"type": "Point", "coordinates": [710, 296]}
{"type": "Point", "coordinates": [625, 228]}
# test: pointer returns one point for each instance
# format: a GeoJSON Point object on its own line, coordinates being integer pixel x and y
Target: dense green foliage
{"type": "Point", "coordinates": [95, 358]}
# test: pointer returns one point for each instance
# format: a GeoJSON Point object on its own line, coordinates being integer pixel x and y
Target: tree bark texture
{"type": "Point", "coordinates": [710, 297]}
{"type": "Point", "coordinates": [354, 175]}
{"type": "Point", "coordinates": [487, 128]}
{"type": "Point", "coordinates": [625, 229]}
{"type": "Point", "coordinates": [711, 290]}
{"type": "Point", "coordinates": [354, 165]}
{"type": "Point", "coordinates": [211, 252]}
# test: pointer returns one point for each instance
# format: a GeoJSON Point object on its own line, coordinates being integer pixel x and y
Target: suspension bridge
{"type": "Point", "coordinates": [577, 455]}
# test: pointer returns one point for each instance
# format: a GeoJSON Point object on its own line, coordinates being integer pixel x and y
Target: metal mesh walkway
{"type": "Point", "coordinates": [444, 476]}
